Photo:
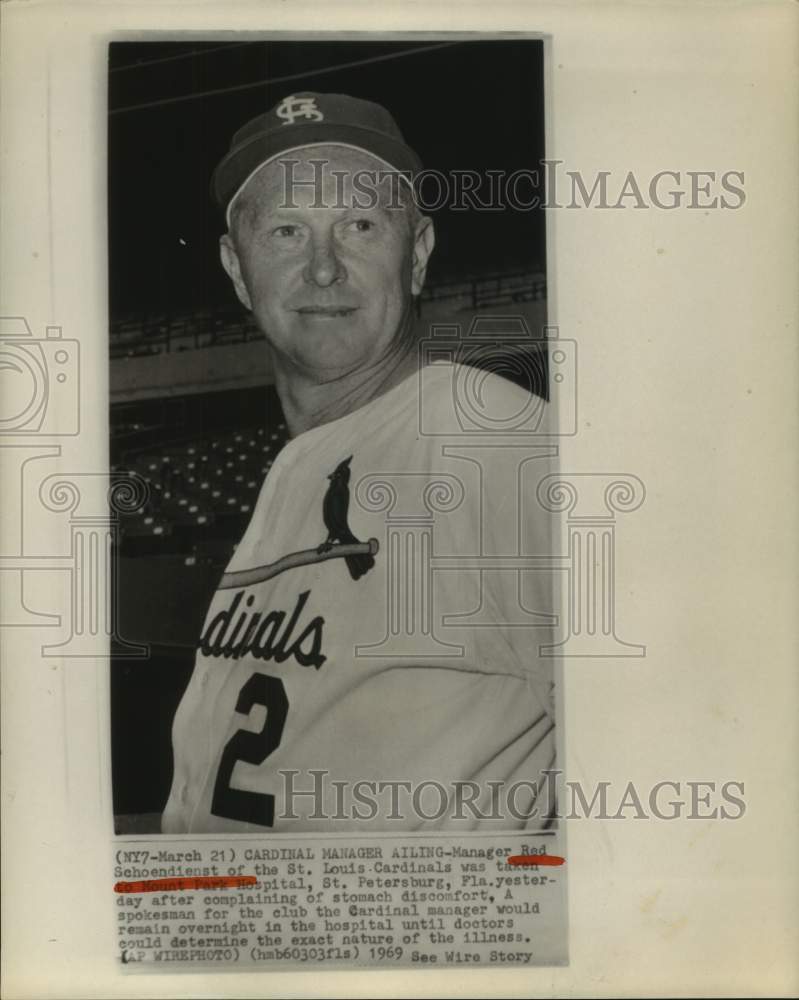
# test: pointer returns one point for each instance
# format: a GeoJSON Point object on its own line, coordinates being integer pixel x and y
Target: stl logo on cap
{"type": "Point", "coordinates": [298, 107]}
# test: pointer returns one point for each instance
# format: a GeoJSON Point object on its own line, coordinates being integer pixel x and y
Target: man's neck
{"type": "Point", "coordinates": [308, 403]}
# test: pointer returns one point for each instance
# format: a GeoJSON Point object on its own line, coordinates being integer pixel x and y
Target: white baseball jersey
{"type": "Point", "coordinates": [368, 628]}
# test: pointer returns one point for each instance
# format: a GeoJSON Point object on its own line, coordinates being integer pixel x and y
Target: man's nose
{"type": "Point", "coordinates": [324, 267]}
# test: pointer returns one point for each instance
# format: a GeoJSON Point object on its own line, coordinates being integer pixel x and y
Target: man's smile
{"type": "Point", "coordinates": [326, 312]}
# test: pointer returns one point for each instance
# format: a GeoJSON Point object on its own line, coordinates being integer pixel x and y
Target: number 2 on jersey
{"type": "Point", "coordinates": [252, 748]}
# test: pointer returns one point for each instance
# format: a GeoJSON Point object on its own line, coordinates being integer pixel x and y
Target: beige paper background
{"type": "Point", "coordinates": [686, 324]}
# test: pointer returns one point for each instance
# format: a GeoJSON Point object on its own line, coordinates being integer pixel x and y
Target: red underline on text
{"type": "Point", "coordinates": [536, 859]}
{"type": "Point", "coordinates": [187, 884]}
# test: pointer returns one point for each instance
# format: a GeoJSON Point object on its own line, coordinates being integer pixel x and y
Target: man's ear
{"type": "Point", "coordinates": [230, 262]}
{"type": "Point", "coordinates": [424, 241]}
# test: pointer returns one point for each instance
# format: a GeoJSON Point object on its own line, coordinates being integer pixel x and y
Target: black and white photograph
{"type": "Point", "coordinates": [397, 549]}
{"type": "Point", "coordinates": [329, 376]}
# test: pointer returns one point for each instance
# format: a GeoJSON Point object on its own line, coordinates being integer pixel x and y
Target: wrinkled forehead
{"type": "Point", "coordinates": [323, 176]}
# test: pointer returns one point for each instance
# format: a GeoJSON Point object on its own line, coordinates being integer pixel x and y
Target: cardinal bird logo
{"type": "Point", "coordinates": [335, 508]}
{"type": "Point", "coordinates": [339, 544]}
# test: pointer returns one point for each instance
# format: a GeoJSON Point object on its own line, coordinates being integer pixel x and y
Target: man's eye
{"type": "Point", "coordinates": [363, 225]}
{"type": "Point", "coordinates": [284, 231]}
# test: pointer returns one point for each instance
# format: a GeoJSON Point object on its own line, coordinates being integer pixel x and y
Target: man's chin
{"type": "Point", "coordinates": [328, 366]}
{"type": "Point", "coordinates": [328, 346]}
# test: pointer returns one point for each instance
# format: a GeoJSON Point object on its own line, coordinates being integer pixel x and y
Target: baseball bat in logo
{"type": "Point", "coordinates": [340, 542]}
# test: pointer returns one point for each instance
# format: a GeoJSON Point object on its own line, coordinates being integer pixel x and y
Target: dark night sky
{"type": "Point", "coordinates": [476, 105]}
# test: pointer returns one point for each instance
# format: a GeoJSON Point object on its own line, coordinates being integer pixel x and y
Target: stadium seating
{"type": "Point", "coordinates": [202, 484]}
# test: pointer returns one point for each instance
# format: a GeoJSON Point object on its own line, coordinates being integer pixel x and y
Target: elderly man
{"type": "Point", "coordinates": [333, 683]}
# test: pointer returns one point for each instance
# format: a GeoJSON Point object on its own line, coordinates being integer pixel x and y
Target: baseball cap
{"type": "Point", "coordinates": [310, 119]}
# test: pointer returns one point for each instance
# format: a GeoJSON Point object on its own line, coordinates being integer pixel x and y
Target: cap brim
{"type": "Point", "coordinates": [240, 164]}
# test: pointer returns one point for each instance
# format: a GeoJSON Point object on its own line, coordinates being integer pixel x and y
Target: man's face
{"type": "Point", "coordinates": [330, 283]}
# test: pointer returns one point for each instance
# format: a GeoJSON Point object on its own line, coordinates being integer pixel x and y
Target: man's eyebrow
{"type": "Point", "coordinates": [271, 212]}
{"type": "Point", "coordinates": [295, 212]}
{"type": "Point", "coordinates": [262, 211]}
